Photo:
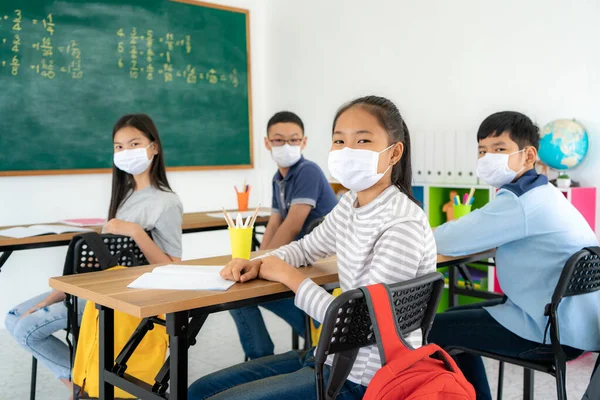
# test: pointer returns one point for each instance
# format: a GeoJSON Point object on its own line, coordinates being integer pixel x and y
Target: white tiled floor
{"type": "Point", "coordinates": [218, 346]}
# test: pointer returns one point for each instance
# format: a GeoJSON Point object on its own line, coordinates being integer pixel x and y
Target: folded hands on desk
{"type": "Point", "coordinates": [270, 268]}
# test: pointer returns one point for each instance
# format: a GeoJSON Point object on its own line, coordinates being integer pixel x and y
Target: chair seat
{"type": "Point", "coordinates": [542, 366]}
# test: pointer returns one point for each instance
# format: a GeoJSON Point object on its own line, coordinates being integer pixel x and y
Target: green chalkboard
{"type": "Point", "coordinates": [70, 68]}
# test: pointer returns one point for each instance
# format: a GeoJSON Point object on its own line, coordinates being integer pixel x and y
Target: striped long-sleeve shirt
{"type": "Point", "coordinates": [388, 240]}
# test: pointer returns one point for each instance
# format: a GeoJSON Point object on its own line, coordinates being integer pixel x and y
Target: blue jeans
{"type": "Point", "coordinates": [472, 327]}
{"type": "Point", "coordinates": [34, 333]}
{"type": "Point", "coordinates": [251, 327]}
{"type": "Point", "coordinates": [285, 376]}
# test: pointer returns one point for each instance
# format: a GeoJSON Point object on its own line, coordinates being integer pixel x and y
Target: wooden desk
{"type": "Point", "coordinates": [192, 223]}
{"type": "Point", "coordinates": [108, 289]}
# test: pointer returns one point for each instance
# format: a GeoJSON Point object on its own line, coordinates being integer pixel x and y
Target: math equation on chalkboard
{"type": "Point", "coordinates": [142, 54]}
{"type": "Point", "coordinates": [145, 55]}
{"type": "Point", "coordinates": [51, 57]}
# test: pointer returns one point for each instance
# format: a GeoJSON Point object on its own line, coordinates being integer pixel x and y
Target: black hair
{"type": "Point", "coordinates": [388, 116]}
{"type": "Point", "coordinates": [520, 128]}
{"type": "Point", "coordinates": [285, 117]}
{"type": "Point", "coordinates": [123, 183]}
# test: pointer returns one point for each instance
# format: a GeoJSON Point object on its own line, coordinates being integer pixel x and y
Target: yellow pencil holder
{"type": "Point", "coordinates": [461, 210]}
{"type": "Point", "coordinates": [241, 242]}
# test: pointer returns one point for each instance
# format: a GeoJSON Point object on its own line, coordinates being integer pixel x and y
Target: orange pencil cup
{"type": "Point", "coordinates": [242, 199]}
{"type": "Point", "coordinates": [241, 242]}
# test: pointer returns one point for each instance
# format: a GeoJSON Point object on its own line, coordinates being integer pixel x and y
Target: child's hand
{"type": "Point", "coordinates": [120, 227]}
{"type": "Point", "coordinates": [275, 269]}
{"type": "Point", "coordinates": [240, 270]}
{"type": "Point", "coordinates": [35, 308]}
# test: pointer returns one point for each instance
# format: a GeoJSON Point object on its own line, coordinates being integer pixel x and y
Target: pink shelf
{"type": "Point", "coordinates": [584, 200]}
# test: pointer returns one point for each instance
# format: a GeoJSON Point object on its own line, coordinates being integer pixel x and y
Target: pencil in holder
{"type": "Point", "coordinates": [461, 210]}
{"type": "Point", "coordinates": [242, 199]}
{"type": "Point", "coordinates": [241, 242]}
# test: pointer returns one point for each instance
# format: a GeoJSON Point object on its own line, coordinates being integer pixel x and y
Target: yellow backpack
{"type": "Point", "coordinates": [144, 364]}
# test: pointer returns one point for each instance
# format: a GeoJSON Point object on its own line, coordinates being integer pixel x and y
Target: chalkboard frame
{"type": "Point", "coordinates": [83, 171]}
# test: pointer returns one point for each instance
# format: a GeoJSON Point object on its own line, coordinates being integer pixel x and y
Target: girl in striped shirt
{"type": "Point", "coordinates": [378, 233]}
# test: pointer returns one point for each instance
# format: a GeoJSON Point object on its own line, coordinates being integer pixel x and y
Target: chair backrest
{"type": "Point", "coordinates": [580, 275]}
{"type": "Point", "coordinates": [348, 326]}
{"type": "Point", "coordinates": [123, 251]}
{"type": "Point", "coordinates": [313, 224]}
{"type": "Point", "coordinates": [92, 252]}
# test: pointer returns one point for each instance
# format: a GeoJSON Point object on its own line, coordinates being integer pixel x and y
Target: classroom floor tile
{"type": "Point", "coordinates": [218, 347]}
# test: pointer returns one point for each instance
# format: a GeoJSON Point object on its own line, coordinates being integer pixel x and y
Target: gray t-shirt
{"type": "Point", "coordinates": [159, 212]}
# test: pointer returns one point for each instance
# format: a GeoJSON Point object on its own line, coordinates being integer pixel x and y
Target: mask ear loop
{"type": "Point", "coordinates": [387, 148]}
{"type": "Point", "coordinates": [391, 164]}
{"type": "Point", "coordinates": [517, 152]}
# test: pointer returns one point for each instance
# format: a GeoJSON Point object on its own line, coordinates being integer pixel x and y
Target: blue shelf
{"type": "Point", "coordinates": [419, 194]}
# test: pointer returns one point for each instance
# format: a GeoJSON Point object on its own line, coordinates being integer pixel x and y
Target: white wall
{"type": "Point", "coordinates": [446, 64]}
{"type": "Point", "coordinates": [47, 199]}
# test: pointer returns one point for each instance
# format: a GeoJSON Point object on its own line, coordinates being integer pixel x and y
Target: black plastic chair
{"type": "Point", "coordinates": [347, 326]}
{"type": "Point", "coordinates": [313, 224]}
{"type": "Point", "coordinates": [91, 252]}
{"type": "Point", "coordinates": [580, 275]}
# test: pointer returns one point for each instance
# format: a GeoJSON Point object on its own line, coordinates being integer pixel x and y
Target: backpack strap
{"type": "Point", "coordinates": [72, 330]}
{"type": "Point", "coordinates": [102, 253]}
{"type": "Point", "coordinates": [390, 341]}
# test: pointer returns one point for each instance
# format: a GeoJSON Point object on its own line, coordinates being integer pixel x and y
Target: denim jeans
{"type": "Point", "coordinates": [285, 376]}
{"type": "Point", "coordinates": [251, 327]}
{"type": "Point", "coordinates": [472, 327]}
{"type": "Point", "coordinates": [34, 333]}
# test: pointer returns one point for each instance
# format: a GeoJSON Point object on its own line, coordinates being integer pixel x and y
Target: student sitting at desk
{"type": "Point", "coordinates": [301, 194]}
{"type": "Point", "coordinates": [141, 201]}
{"type": "Point", "coordinates": [379, 234]}
{"type": "Point", "coordinates": [536, 230]}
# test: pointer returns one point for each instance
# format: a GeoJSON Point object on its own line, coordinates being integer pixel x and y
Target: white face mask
{"type": "Point", "coordinates": [493, 169]}
{"type": "Point", "coordinates": [285, 156]}
{"type": "Point", "coordinates": [134, 161]}
{"type": "Point", "coordinates": [356, 169]}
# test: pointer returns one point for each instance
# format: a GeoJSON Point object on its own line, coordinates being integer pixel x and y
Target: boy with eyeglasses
{"type": "Point", "coordinates": [301, 194]}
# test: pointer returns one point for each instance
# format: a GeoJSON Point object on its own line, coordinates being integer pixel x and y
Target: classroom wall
{"type": "Point", "coordinates": [446, 64]}
{"type": "Point", "coordinates": [51, 198]}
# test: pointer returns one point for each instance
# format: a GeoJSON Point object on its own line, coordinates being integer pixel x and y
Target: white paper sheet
{"type": "Point", "coordinates": [183, 277]}
{"type": "Point", "coordinates": [20, 232]}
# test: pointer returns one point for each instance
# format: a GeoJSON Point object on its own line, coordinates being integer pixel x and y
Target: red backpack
{"type": "Point", "coordinates": [408, 374]}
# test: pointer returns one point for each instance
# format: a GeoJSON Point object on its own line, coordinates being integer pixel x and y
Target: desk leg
{"type": "Point", "coordinates": [4, 257]}
{"type": "Point", "coordinates": [452, 283]}
{"type": "Point", "coordinates": [177, 328]}
{"type": "Point", "coordinates": [162, 378]}
{"type": "Point", "coordinates": [107, 351]}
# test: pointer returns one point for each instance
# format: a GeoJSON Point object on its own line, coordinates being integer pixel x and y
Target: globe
{"type": "Point", "coordinates": [563, 144]}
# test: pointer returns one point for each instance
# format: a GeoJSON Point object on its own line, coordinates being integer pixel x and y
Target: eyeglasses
{"type": "Point", "coordinates": [281, 142]}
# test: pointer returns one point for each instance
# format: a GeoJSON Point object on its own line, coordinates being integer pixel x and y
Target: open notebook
{"type": "Point", "coordinates": [183, 277]}
{"type": "Point", "coordinates": [84, 222]}
{"type": "Point", "coordinates": [20, 232]}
